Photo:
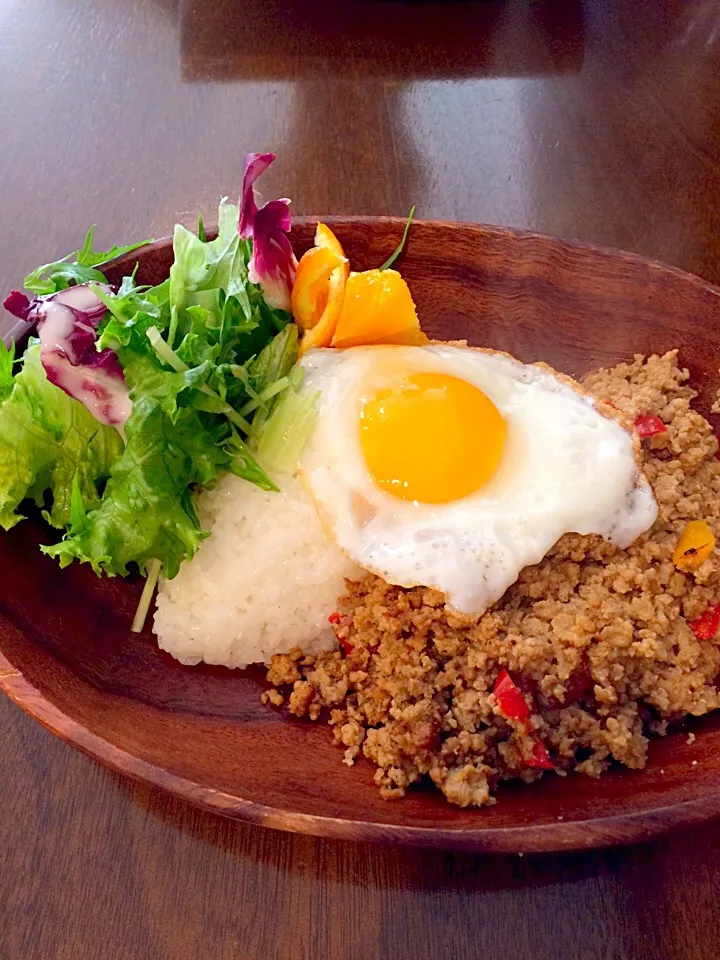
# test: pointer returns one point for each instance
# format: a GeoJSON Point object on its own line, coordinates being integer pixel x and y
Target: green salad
{"type": "Point", "coordinates": [132, 398]}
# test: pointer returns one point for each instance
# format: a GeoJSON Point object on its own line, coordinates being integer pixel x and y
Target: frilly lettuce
{"type": "Point", "coordinates": [147, 509]}
{"type": "Point", "coordinates": [66, 322]}
{"type": "Point", "coordinates": [46, 439]}
{"type": "Point", "coordinates": [206, 360]}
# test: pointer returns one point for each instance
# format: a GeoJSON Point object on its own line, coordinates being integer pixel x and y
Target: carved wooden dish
{"type": "Point", "coordinates": [67, 656]}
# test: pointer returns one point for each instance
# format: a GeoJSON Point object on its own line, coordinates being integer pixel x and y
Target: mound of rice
{"type": "Point", "coordinates": [264, 582]}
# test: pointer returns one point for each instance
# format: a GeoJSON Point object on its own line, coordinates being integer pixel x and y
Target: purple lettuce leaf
{"type": "Point", "coordinates": [272, 264]}
{"type": "Point", "coordinates": [255, 164]}
{"type": "Point", "coordinates": [18, 305]}
{"type": "Point", "coordinates": [66, 324]}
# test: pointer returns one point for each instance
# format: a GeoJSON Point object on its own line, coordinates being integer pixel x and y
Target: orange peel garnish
{"type": "Point", "coordinates": [319, 287]}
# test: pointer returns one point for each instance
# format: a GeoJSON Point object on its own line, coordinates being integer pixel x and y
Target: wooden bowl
{"type": "Point", "coordinates": [69, 660]}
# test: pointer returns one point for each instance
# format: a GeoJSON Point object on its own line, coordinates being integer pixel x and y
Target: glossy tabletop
{"type": "Point", "coordinates": [595, 120]}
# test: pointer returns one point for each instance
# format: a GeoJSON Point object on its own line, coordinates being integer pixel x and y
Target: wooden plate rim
{"type": "Point", "coordinates": [20, 329]}
{"type": "Point", "coordinates": [593, 832]}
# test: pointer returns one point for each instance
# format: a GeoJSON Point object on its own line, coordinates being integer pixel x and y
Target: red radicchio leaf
{"type": "Point", "coordinates": [272, 264]}
{"type": "Point", "coordinates": [255, 164]}
{"type": "Point", "coordinates": [86, 306]}
{"type": "Point", "coordinates": [98, 383]}
{"type": "Point", "coordinates": [66, 324]}
{"type": "Point", "coordinates": [17, 304]}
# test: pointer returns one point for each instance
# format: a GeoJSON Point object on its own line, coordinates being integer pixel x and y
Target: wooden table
{"type": "Point", "coordinates": [596, 120]}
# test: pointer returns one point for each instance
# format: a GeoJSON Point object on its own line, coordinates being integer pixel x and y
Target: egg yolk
{"type": "Point", "coordinates": [431, 438]}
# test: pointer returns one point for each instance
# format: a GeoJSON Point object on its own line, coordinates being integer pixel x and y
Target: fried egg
{"type": "Point", "coordinates": [451, 467]}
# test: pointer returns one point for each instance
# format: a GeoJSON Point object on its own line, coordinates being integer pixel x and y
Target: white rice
{"type": "Point", "coordinates": [265, 581]}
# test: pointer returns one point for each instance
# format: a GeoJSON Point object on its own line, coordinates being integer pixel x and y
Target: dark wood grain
{"type": "Point", "coordinates": [202, 734]}
{"type": "Point", "coordinates": [284, 39]}
{"type": "Point", "coordinates": [602, 124]}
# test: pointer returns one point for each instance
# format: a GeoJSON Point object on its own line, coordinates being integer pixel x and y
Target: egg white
{"type": "Point", "coordinates": [566, 468]}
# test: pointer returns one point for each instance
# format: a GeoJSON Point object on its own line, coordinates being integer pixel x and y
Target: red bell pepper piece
{"type": "Point", "coordinates": [511, 702]}
{"type": "Point", "coordinates": [345, 645]}
{"type": "Point", "coordinates": [513, 706]}
{"type": "Point", "coordinates": [706, 625]}
{"type": "Point", "coordinates": [649, 425]}
{"type": "Point", "coordinates": [540, 757]}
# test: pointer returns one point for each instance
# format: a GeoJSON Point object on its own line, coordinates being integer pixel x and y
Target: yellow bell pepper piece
{"type": "Point", "coordinates": [318, 290]}
{"type": "Point", "coordinates": [310, 290]}
{"type": "Point", "coordinates": [377, 308]}
{"type": "Point", "coordinates": [324, 237]}
{"type": "Point", "coordinates": [694, 546]}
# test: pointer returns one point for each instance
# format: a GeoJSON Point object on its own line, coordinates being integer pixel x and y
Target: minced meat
{"type": "Point", "coordinates": [595, 638]}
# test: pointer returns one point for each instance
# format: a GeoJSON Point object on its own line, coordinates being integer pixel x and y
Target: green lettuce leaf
{"type": "Point", "coordinates": [76, 267]}
{"type": "Point", "coordinates": [173, 445]}
{"type": "Point", "coordinates": [187, 377]}
{"type": "Point", "coordinates": [7, 361]}
{"type": "Point", "coordinates": [52, 277]}
{"type": "Point", "coordinates": [272, 364]}
{"type": "Point", "coordinates": [212, 378]}
{"type": "Point", "coordinates": [147, 509]}
{"type": "Point", "coordinates": [46, 440]}
{"type": "Point", "coordinates": [209, 280]}
{"type": "Point", "coordinates": [202, 267]}
{"type": "Point", "coordinates": [88, 257]}
{"type": "Point", "coordinates": [282, 436]}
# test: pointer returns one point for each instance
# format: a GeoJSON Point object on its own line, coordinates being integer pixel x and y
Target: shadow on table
{"type": "Point", "coordinates": [293, 40]}
{"type": "Point", "coordinates": [350, 66]}
{"type": "Point", "coordinates": [407, 868]}
{"type": "Point", "coordinates": [375, 898]}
